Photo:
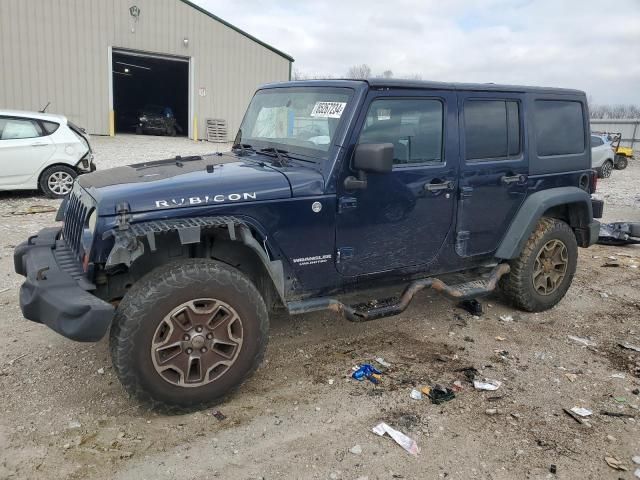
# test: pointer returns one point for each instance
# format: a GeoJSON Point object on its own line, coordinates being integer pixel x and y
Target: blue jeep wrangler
{"type": "Point", "coordinates": [330, 187]}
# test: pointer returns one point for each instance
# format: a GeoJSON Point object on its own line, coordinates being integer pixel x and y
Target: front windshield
{"type": "Point", "coordinates": [299, 120]}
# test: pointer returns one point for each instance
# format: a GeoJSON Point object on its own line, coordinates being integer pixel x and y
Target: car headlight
{"type": "Point", "coordinates": [143, 118]}
{"type": "Point", "coordinates": [92, 221]}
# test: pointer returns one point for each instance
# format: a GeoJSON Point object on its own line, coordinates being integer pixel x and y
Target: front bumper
{"type": "Point", "coordinates": [57, 295]}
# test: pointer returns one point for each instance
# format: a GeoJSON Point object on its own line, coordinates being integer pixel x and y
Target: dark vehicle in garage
{"type": "Point", "coordinates": [182, 260]}
{"type": "Point", "coordinates": [157, 120]}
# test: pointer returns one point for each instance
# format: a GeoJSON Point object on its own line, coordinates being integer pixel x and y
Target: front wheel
{"type": "Point", "coordinates": [542, 274]}
{"type": "Point", "coordinates": [188, 334]}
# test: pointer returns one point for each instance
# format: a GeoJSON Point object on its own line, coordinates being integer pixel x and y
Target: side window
{"type": "Point", "coordinates": [16, 128]}
{"type": "Point", "coordinates": [596, 141]}
{"type": "Point", "coordinates": [491, 129]}
{"type": "Point", "coordinates": [413, 126]}
{"type": "Point", "coordinates": [559, 127]}
{"type": "Point", "coordinates": [49, 127]}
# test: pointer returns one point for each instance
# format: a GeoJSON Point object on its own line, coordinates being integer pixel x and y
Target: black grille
{"type": "Point", "coordinates": [74, 220]}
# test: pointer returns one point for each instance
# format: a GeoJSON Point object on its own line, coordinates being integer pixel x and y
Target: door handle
{"type": "Point", "coordinates": [434, 187]}
{"type": "Point", "coordinates": [507, 179]}
{"type": "Point", "coordinates": [39, 144]}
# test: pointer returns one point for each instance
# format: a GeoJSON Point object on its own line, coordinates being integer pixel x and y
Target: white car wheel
{"type": "Point", "coordinates": [57, 181]}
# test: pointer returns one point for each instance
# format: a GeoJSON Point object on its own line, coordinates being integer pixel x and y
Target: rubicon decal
{"type": "Point", "coordinates": [201, 200]}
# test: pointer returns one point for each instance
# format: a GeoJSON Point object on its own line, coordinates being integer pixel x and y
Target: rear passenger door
{"type": "Point", "coordinates": [494, 168]}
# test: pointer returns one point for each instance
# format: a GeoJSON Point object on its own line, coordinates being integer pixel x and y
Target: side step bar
{"type": "Point", "coordinates": [387, 307]}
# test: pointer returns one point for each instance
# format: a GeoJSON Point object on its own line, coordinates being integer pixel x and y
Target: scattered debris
{"type": "Point", "coordinates": [506, 318]}
{"type": "Point", "coordinates": [356, 449]}
{"type": "Point", "coordinates": [400, 438]}
{"type": "Point", "coordinates": [474, 307]}
{"type": "Point", "coordinates": [382, 362]}
{"type": "Point", "coordinates": [612, 263]}
{"type": "Point", "coordinates": [367, 371]}
{"type": "Point", "coordinates": [500, 339]}
{"type": "Point", "coordinates": [487, 384]}
{"type": "Point", "coordinates": [619, 233]}
{"type": "Point", "coordinates": [616, 414]}
{"type": "Point", "coordinates": [604, 294]}
{"type": "Point", "coordinates": [416, 394]}
{"type": "Point", "coordinates": [636, 473]}
{"type": "Point", "coordinates": [583, 412]}
{"type": "Point", "coordinates": [74, 424]}
{"type": "Point", "coordinates": [618, 375]}
{"type": "Point", "coordinates": [577, 418]}
{"type": "Point", "coordinates": [33, 209]}
{"type": "Point", "coordinates": [616, 464]}
{"type": "Point", "coordinates": [101, 371]}
{"type": "Point", "coordinates": [11, 362]}
{"type": "Point", "coordinates": [491, 411]}
{"type": "Point", "coordinates": [628, 346]}
{"type": "Point", "coordinates": [330, 381]}
{"type": "Point", "coordinates": [440, 394]}
{"type": "Point", "coordinates": [469, 372]}
{"type": "Point", "coordinates": [636, 459]}
{"type": "Point", "coordinates": [636, 391]}
{"type": "Point", "coordinates": [553, 469]}
{"type": "Point", "coordinates": [457, 386]}
{"type": "Point", "coordinates": [467, 338]}
{"type": "Point", "coordinates": [572, 377]}
{"type": "Point", "coordinates": [620, 399]}
{"type": "Point", "coordinates": [583, 341]}
{"type": "Point", "coordinates": [218, 415]}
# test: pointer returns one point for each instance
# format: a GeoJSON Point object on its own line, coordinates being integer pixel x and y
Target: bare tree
{"type": "Point", "coordinates": [387, 74]}
{"type": "Point", "coordinates": [359, 72]}
{"type": "Point", "coordinates": [618, 111]}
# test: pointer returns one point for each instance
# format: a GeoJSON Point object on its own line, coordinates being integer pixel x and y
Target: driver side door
{"type": "Point", "coordinates": [401, 219]}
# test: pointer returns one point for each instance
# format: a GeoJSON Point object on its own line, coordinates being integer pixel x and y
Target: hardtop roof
{"type": "Point", "coordinates": [426, 85]}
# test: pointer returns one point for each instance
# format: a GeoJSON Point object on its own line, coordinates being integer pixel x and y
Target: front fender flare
{"type": "Point", "coordinates": [128, 244]}
{"type": "Point", "coordinates": [533, 209]}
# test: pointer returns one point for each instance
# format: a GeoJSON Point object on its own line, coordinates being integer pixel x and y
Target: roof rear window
{"type": "Point", "coordinates": [559, 126]}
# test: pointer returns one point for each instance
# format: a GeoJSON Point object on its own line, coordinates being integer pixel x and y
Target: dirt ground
{"type": "Point", "coordinates": [65, 415]}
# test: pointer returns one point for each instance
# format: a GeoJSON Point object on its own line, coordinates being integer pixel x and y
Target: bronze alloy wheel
{"type": "Point", "coordinates": [550, 267]}
{"type": "Point", "coordinates": [197, 342]}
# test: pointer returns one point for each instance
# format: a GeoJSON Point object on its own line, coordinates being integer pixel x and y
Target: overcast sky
{"type": "Point", "coordinates": [563, 43]}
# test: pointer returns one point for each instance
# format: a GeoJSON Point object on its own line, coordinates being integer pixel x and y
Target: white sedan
{"type": "Point", "coordinates": [42, 151]}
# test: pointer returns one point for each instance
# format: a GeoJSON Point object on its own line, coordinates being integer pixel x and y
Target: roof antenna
{"type": "Point", "coordinates": [44, 109]}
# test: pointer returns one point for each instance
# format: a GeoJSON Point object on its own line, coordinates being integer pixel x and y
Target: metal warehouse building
{"type": "Point", "coordinates": [99, 61]}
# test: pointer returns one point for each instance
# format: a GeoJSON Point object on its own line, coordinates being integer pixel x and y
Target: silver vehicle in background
{"type": "Point", "coordinates": [602, 155]}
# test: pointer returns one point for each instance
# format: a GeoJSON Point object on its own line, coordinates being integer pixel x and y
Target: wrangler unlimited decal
{"type": "Point", "coordinates": [231, 197]}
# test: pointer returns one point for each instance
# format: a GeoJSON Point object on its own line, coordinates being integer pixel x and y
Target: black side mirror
{"type": "Point", "coordinates": [369, 157]}
{"type": "Point", "coordinates": [374, 157]}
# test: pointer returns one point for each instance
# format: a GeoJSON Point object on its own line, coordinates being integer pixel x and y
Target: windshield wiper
{"type": "Point", "coordinates": [279, 153]}
{"type": "Point", "coordinates": [243, 147]}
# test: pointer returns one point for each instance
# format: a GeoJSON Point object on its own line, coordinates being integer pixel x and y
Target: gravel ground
{"type": "Point", "coordinates": [65, 415]}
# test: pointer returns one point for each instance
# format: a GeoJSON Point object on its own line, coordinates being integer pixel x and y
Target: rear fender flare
{"type": "Point", "coordinates": [534, 208]}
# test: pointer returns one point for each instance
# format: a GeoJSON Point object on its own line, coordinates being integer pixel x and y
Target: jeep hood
{"type": "Point", "coordinates": [192, 182]}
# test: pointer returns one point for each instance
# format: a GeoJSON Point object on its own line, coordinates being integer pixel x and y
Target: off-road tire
{"type": "Point", "coordinates": [621, 162]}
{"type": "Point", "coordinates": [605, 170]}
{"type": "Point", "coordinates": [62, 170]}
{"type": "Point", "coordinates": [171, 131]}
{"type": "Point", "coordinates": [518, 285]}
{"type": "Point", "coordinates": [139, 131]}
{"type": "Point", "coordinates": [145, 305]}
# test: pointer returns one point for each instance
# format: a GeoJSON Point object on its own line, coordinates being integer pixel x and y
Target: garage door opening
{"type": "Point", "coordinates": [153, 87]}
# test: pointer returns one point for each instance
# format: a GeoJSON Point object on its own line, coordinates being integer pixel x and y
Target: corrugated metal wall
{"type": "Point", "coordinates": [57, 50]}
{"type": "Point", "coordinates": [629, 128]}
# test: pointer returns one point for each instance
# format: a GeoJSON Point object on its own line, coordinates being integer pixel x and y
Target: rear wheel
{"type": "Point", "coordinates": [621, 162]}
{"type": "Point", "coordinates": [188, 334]}
{"type": "Point", "coordinates": [57, 181]}
{"type": "Point", "coordinates": [606, 169]}
{"type": "Point", "coordinates": [171, 131]}
{"type": "Point", "coordinates": [542, 274]}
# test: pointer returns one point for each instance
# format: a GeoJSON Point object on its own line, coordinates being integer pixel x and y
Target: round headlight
{"type": "Point", "coordinates": [92, 221]}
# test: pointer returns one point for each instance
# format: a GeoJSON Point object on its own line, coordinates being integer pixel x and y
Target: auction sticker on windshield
{"type": "Point", "coordinates": [328, 109]}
